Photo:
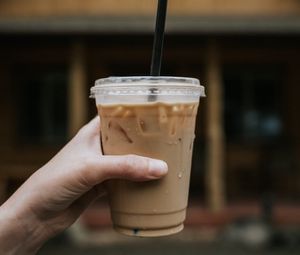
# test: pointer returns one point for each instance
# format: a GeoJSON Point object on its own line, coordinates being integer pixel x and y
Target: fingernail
{"type": "Point", "coordinates": [158, 168]}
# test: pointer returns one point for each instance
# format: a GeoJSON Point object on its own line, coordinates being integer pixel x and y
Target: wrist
{"type": "Point", "coordinates": [19, 234]}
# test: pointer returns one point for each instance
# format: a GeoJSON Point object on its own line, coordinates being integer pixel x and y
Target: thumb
{"type": "Point", "coordinates": [129, 167]}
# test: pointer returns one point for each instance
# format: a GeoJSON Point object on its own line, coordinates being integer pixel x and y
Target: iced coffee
{"type": "Point", "coordinates": [159, 127]}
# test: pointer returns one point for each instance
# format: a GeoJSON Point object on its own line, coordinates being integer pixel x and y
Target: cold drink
{"type": "Point", "coordinates": [156, 128]}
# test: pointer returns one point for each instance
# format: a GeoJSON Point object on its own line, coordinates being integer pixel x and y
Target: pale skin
{"type": "Point", "coordinates": [55, 195]}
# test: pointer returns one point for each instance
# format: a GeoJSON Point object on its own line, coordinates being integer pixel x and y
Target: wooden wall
{"type": "Point", "coordinates": [29, 8]}
{"type": "Point", "coordinates": [182, 53]}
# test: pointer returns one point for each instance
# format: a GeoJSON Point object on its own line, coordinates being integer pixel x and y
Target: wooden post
{"type": "Point", "coordinates": [215, 190]}
{"type": "Point", "coordinates": [78, 95]}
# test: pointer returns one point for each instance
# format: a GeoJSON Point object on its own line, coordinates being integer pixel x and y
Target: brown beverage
{"type": "Point", "coordinates": [162, 130]}
{"type": "Point", "coordinates": [157, 130]}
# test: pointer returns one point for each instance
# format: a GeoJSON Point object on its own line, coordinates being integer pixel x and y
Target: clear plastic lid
{"type": "Point", "coordinates": [147, 88]}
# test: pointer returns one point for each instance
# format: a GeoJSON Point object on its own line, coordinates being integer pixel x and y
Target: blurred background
{"type": "Point", "coordinates": [245, 185]}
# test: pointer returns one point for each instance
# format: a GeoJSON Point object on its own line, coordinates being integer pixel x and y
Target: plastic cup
{"type": "Point", "coordinates": [153, 117]}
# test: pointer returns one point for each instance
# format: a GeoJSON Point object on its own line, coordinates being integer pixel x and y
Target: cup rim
{"type": "Point", "coordinates": [147, 85]}
{"type": "Point", "coordinates": [140, 80]}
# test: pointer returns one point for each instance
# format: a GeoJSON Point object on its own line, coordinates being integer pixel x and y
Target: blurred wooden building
{"type": "Point", "coordinates": [246, 54]}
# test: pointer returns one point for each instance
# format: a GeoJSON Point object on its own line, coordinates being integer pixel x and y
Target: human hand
{"type": "Point", "coordinates": [55, 195]}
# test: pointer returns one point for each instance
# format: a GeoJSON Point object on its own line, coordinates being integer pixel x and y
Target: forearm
{"type": "Point", "coordinates": [19, 234]}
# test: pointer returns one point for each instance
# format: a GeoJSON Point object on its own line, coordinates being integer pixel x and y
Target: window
{"type": "Point", "coordinates": [42, 105]}
{"type": "Point", "coordinates": [252, 103]}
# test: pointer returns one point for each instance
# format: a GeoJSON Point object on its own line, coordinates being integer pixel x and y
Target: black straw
{"type": "Point", "coordinates": [159, 37]}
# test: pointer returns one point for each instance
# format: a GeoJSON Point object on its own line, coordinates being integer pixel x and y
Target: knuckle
{"type": "Point", "coordinates": [135, 166]}
{"type": "Point", "coordinates": [129, 163]}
